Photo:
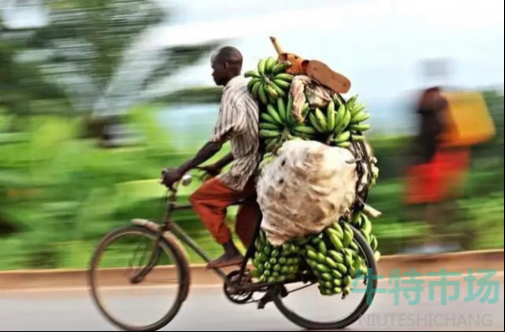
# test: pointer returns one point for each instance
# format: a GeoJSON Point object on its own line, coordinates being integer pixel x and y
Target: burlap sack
{"type": "Point", "coordinates": [308, 187]}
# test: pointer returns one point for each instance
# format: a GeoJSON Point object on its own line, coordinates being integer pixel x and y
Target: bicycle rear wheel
{"type": "Point", "coordinates": [309, 310]}
{"type": "Point", "coordinates": [130, 274]}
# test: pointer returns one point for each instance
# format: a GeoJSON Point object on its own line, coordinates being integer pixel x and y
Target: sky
{"type": "Point", "coordinates": [378, 44]}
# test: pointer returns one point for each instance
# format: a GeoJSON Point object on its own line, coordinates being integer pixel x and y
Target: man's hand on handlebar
{"type": "Point", "coordinates": [171, 176]}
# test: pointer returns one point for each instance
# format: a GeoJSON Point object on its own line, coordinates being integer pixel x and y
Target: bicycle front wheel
{"type": "Point", "coordinates": [305, 307]}
{"type": "Point", "coordinates": [138, 282]}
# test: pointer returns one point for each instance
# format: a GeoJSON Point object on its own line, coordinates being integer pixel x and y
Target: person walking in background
{"type": "Point", "coordinates": [436, 171]}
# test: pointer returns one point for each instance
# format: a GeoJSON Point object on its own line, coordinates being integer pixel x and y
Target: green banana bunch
{"type": "Point", "coordinates": [275, 264]}
{"type": "Point", "coordinates": [334, 259]}
{"type": "Point", "coordinates": [361, 222]}
{"type": "Point", "coordinates": [269, 82]}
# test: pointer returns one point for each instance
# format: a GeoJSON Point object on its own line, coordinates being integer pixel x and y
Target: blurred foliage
{"type": "Point", "coordinates": [63, 193]}
{"type": "Point", "coordinates": [198, 95]}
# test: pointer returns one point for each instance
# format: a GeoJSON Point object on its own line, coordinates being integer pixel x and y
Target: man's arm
{"type": "Point", "coordinates": [225, 161]}
{"type": "Point", "coordinates": [208, 151]}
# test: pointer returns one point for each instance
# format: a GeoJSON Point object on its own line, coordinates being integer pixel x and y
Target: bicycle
{"type": "Point", "coordinates": [239, 286]}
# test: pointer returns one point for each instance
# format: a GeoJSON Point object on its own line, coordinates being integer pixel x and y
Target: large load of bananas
{"type": "Point", "coordinates": [333, 257]}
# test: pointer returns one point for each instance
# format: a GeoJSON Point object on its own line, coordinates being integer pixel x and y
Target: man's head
{"type": "Point", "coordinates": [226, 64]}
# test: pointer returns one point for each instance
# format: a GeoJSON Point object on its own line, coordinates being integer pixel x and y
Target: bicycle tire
{"type": "Point", "coordinates": [360, 310]}
{"type": "Point", "coordinates": [181, 264]}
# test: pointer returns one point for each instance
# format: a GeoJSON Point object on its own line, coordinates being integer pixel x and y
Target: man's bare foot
{"type": "Point", "coordinates": [225, 261]}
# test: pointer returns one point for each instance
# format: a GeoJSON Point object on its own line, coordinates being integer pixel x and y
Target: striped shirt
{"type": "Point", "coordinates": [238, 123]}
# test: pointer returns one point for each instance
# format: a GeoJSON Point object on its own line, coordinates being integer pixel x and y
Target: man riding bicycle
{"type": "Point", "coordinates": [238, 123]}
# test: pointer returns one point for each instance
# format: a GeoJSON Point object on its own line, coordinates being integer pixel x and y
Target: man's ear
{"type": "Point", "coordinates": [226, 65]}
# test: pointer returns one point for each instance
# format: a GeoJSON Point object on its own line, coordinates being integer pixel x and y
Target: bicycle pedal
{"type": "Point", "coordinates": [264, 301]}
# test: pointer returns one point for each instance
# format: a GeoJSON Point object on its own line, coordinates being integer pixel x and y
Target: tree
{"type": "Point", "coordinates": [90, 40]}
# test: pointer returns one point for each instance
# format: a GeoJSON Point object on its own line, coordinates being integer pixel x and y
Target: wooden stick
{"type": "Point", "coordinates": [277, 46]}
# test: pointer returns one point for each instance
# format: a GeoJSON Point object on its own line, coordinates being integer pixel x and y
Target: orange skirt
{"type": "Point", "coordinates": [433, 182]}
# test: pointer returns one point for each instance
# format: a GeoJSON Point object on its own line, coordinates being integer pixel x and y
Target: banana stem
{"type": "Point", "coordinates": [370, 211]}
{"type": "Point", "coordinates": [277, 46]}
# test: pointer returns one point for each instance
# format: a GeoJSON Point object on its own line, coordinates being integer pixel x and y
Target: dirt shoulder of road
{"type": "Point", "coordinates": [62, 279]}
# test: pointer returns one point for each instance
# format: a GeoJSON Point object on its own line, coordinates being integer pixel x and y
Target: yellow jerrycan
{"type": "Point", "coordinates": [469, 120]}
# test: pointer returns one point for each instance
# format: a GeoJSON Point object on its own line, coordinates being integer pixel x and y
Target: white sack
{"type": "Point", "coordinates": [308, 187]}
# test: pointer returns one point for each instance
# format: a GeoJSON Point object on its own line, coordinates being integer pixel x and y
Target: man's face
{"type": "Point", "coordinates": [220, 72]}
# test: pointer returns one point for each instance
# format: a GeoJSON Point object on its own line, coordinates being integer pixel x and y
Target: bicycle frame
{"type": "Point", "coordinates": [170, 225]}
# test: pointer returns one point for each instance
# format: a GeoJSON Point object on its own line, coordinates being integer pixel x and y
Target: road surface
{"type": "Point", "coordinates": [208, 309]}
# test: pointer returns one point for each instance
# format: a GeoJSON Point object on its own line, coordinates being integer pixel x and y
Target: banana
{"type": "Point", "coordinates": [336, 256]}
{"type": "Point", "coordinates": [327, 276]}
{"type": "Point", "coordinates": [336, 226]}
{"type": "Point", "coordinates": [338, 290]}
{"type": "Point", "coordinates": [271, 92]}
{"type": "Point", "coordinates": [252, 83]}
{"type": "Point", "coordinates": [354, 246]}
{"type": "Point", "coordinates": [268, 118]}
{"type": "Point", "coordinates": [273, 144]}
{"type": "Point", "coordinates": [345, 145]}
{"type": "Point", "coordinates": [269, 133]}
{"type": "Point", "coordinates": [322, 248]}
{"type": "Point", "coordinates": [347, 119]}
{"type": "Point", "coordinates": [311, 254]}
{"type": "Point", "coordinates": [305, 110]}
{"type": "Point", "coordinates": [347, 291]}
{"type": "Point", "coordinates": [360, 117]}
{"type": "Point", "coordinates": [351, 102]}
{"type": "Point", "coordinates": [333, 232]}
{"type": "Point", "coordinates": [279, 68]}
{"type": "Point", "coordinates": [305, 130]}
{"type": "Point", "coordinates": [358, 138]}
{"type": "Point", "coordinates": [261, 66]}
{"type": "Point", "coordinates": [323, 122]}
{"type": "Point", "coordinates": [349, 261]}
{"type": "Point", "coordinates": [270, 64]}
{"type": "Point", "coordinates": [360, 127]}
{"type": "Point", "coordinates": [331, 263]}
{"type": "Point", "coordinates": [331, 115]}
{"type": "Point", "coordinates": [367, 237]}
{"type": "Point", "coordinates": [281, 93]}
{"type": "Point", "coordinates": [342, 268]}
{"type": "Point", "coordinates": [374, 243]}
{"type": "Point", "coordinates": [256, 89]}
{"type": "Point", "coordinates": [338, 282]}
{"type": "Point", "coordinates": [367, 225]}
{"type": "Point", "coordinates": [285, 77]}
{"type": "Point", "coordinates": [344, 137]}
{"type": "Point", "coordinates": [340, 124]}
{"type": "Point", "coordinates": [282, 84]}
{"type": "Point", "coordinates": [274, 114]}
{"type": "Point", "coordinates": [338, 100]}
{"type": "Point", "coordinates": [347, 281]}
{"type": "Point", "coordinates": [281, 105]}
{"type": "Point", "coordinates": [289, 111]}
{"type": "Point", "coordinates": [357, 109]}
{"type": "Point", "coordinates": [321, 258]}
{"type": "Point", "coordinates": [252, 74]}
{"type": "Point", "coordinates": [337, 274]}
{"type": "Point", "coordinates": [378, 256]}
{"type": "Point", "coordinates": [269, 126]}
{"type": "Point", "coordinates": [315, 123]}
{"type": "Point", "coordinates": [323, 268]}
{"type": "Point", "coordinates": [348, 238]}
{"type": "Point", "coordinates": [263, 94]}
{"type": "Point", "coordinates": [336, 242]}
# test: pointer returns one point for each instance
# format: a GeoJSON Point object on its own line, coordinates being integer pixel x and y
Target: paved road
{"type": "Point", "coordinates": [207, 309]}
